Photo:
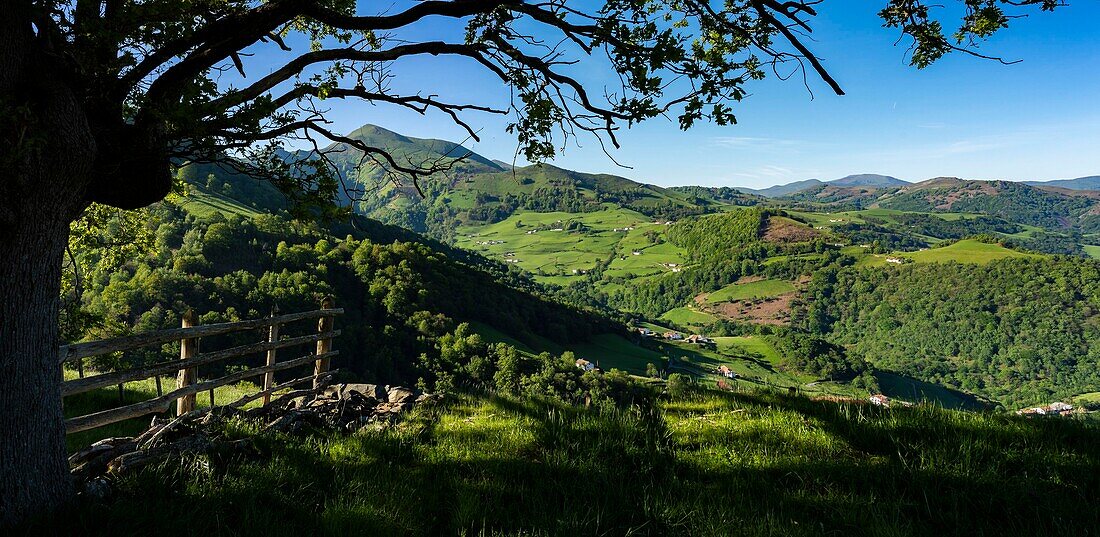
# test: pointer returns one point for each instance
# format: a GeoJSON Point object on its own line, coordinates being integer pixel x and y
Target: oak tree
{"type": "Point", "coordinates": [99, 99]}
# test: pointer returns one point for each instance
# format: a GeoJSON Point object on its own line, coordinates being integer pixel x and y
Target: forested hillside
{"type": "Point", "coordinates": [401, 293]}
{"type": "Point", "coordinates": [1018, 331]}
{"type": "Point", "coordinates": [1017, 202]}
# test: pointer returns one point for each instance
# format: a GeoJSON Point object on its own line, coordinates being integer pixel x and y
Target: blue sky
{"type": "Point", "coordinates": [976, 119]}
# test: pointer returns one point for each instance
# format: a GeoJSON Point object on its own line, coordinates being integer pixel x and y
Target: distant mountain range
{"type": "Point", "coordinates": [477, 189]}
{"type": "Point", "coordinates": [863, 179]}
{"type": "Point", "coordinates": [1091, 182]}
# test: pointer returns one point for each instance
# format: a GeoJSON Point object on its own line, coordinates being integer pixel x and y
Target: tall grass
{"type": "Point", "coordinates": [707, 463]}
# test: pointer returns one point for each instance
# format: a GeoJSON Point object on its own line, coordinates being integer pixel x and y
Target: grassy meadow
{"type": "Point", "coordinates": [750, 291]}
{"type": "Point", "coordinates": [700, 463]}
{"type": "Point", "coordinates": [542, 244]}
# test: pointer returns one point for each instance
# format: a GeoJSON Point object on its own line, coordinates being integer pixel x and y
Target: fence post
{"type": "Point", "coordinates": [272, 337]}
{"type": "Point", "coordinates": [323, 345]}
{"type": "Point", "coordinates": [188, 350]}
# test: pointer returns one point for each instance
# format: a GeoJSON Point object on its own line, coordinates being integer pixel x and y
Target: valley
{"type": "Point", "coordinates": [770, 322]}
{"type": "Point", "coordinates": [741, 269]}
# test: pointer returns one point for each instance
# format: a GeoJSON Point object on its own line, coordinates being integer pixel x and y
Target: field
{"type": "Point", "coordinates": [688, 317]}
{"type": "Point", "coordinates": [750, 291]}
{"type": "Point", "coordinates": [202, 202]}
{"type": "Point", "coordinates": [544, 244]}
{"type": "Point", "coordinates": [706, 463]}
{"type": "Point", "coordinates": [607, 351]}
{"type": "Point", "coordinates": [1087, 398]}
{"type": "Point", "coordinates": [964, 251]}
{"type": "Point", "coordinates": [909, 389]}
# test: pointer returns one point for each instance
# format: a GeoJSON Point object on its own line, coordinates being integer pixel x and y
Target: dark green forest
{"type": "Point", "coordinates": [401, 294]}
{"type": "Point", "coordinates": [1018, 331]}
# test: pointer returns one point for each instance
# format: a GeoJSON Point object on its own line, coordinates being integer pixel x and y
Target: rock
{"type": "Point", "coordinates": [98, 488]}
{"type": "Point", "coordinates": [345, 407]}
{"type": "Point", "coordinates": [398, 394]}
{"type": "Point", "coordinates": [427, 399]}
{"type": "Point", "coordinates": [372, 391]}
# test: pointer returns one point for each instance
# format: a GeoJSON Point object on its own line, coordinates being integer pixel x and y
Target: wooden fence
{"type": "Point", "coordinates": [187, 386]}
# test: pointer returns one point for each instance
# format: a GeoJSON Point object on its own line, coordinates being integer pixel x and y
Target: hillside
{"type": "Point", "coordinates": [854, 196]}
{"type": "Point", "coordinates": [746, 271]}
{"type": "Point", "coordinates": [868, 179]}
{"type": "Point", "coordinates": [1017, 329]}
{"type": "Point", "coordinates": [1091, 182]}
{"type": "Point", "coordinates": [782, 190]}
{"type": "Point", "coordinates": [1016, 202]}
{"type": "Point", "coordinates": [687, 463]}
{"type": "Point", "coordinates": [479, 190]}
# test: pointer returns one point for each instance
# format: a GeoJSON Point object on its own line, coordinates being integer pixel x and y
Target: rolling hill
{"type": "Point", "coordinates": [783, 190]}
{"type": "Point", "coordinates": [478, 190]}
{"type": "Point", "coordinates": [868, 181]}
{"type": "Point", "coordinates": [1091, 182]}
{"type": "Point", "coordinates": [1017, 202]}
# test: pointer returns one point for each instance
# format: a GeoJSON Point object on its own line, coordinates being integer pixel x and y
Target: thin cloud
{"type": "Point", "coordinates": [753, 142]}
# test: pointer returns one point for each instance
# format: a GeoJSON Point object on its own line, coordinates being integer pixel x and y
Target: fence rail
{"type": "Point", "coordinates": [187, 387]}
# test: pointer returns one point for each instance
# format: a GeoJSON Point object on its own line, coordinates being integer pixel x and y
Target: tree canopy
{"type": "Point", "coordinates": [148, 72]}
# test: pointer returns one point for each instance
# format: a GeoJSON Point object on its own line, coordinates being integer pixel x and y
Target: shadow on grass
{"type": "Point", "coordinates": [713, 464]}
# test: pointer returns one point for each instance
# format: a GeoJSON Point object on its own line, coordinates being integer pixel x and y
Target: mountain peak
{"type": "Point", "coordinates": [868, 179]}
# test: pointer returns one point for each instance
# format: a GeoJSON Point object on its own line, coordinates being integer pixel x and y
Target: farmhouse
{"type": "Point", "coordinates": [645, 332]}
{"type": "Point", "coordinates": [585, 365]}
{"type": "Point", "coordinates": [880, 400]}
{"type": "Point", "coordinates": [894, 260]}
{"type": "Point", "coordinates": [725, 371]}
{"type": "Point", "coordinates": [1054, 409]}
{"type": "Point", "coordinates": [698, 339]}
{"type": "Point", "coordinates": [674, 336]}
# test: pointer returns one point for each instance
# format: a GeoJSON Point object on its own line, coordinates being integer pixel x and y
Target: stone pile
{"type": "Point", "coordinates": [344, 407]}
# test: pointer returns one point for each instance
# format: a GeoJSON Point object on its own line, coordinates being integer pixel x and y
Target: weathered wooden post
{"type": "Point", "coordinates": [323, 345]}
{"type": "Point", "coordinates": [272, 337]}
{"type": "Point", "coordinates": [189, 347]}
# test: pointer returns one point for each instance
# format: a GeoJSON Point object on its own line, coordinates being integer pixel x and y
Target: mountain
{"type": "Point", "coordinates": [859, 180]}
{"type": "Point", "coordinates": [782, 190]}
{"type": "Point", "coordinates": [1091, 182]}
{"type": "Point", "coordinates": [1016, 202]}
{"type": "Point", "coordinates": [868, 179]}
{"type": "Point", "coordinates": [409, 150]}
{"type": "Point", "coordinates": [857, 196]}
{"type": "Point", "coordinates": [476, 189]}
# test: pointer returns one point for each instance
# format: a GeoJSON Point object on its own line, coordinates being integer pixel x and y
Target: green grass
{"type": "Point", "coordinates": [135, 392]}
{"type": "Point", "coordinates": [1092, 250]}
{"type": "Point", "coordinates": [965, 251]}
{"type": "Point", "coordinates": [750, 463]}
{"type": "Point", "coordinates": [909, 389]}
{"type": "Point", "coordinates": [610, 351]}
{"type": "Point", "coordinates": [607, 351]}
{"type": "Point", "coordinates": [1086, 398]}
{"type": "Point", "coordinates": [202, 203]}
{"type": "Point", "coordinates": [552, 256]}
{"type": "Point", "coordinates": [688, 317]}
{"type": "Point", "coordinates": [750, 291]}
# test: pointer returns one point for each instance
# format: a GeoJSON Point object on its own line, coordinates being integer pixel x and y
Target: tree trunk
{"type": "Point", "coordinates": [34, 473]}
{"type": "Point", "coordinates": [47, 151]}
